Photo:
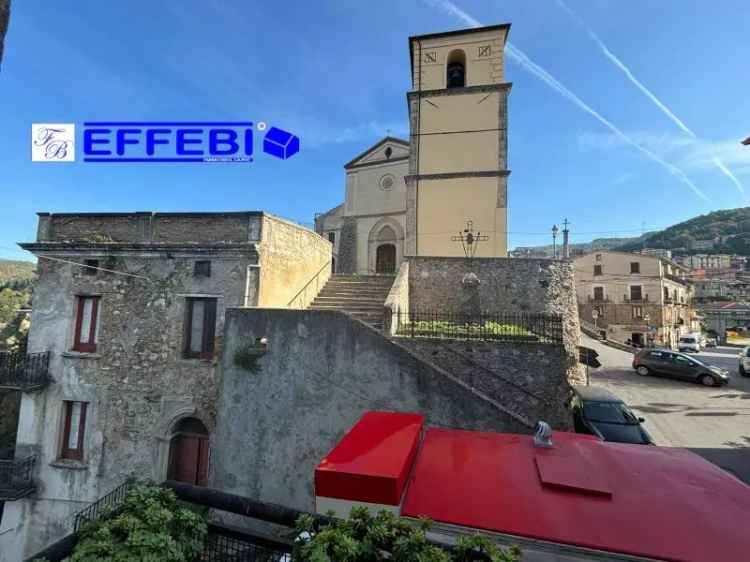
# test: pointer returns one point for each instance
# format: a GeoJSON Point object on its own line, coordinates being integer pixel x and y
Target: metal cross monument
{"type": "Point", "coordinates": [469, 239]}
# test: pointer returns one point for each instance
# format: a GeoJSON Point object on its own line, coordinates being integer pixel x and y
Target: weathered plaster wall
{"type": "Point", "coordinates": [397, 302]}
{"type": "Point", "coordinates": [506, 285]}
{"type": "Point", "coordinates": [290, 257]}
{"type": "Point", "coordinates": [137, 384]}
{"type": "Point", "coordinates": [321, 372]}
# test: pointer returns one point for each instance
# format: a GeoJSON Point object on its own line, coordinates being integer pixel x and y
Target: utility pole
{"type": "Point", "coordinates": [554, 241]}
{"type": "Point", "coordinates": [566, 241]}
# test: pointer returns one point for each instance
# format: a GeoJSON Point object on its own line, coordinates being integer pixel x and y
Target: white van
{"type": "Point", "coordinates": [691, 342]}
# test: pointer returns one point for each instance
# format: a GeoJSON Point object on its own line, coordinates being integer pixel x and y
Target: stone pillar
{"type": "Point", "coordinates": [347, 260]}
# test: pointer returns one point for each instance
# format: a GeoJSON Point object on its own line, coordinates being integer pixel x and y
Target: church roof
{"type": "Point", "coordinates": [375, 147]}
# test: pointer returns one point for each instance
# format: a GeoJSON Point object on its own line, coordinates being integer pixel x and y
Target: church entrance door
{"type": "Point", "coordinates": [385, 259]}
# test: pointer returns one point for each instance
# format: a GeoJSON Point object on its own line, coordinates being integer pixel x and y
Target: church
{"type": "Point", "coordinates": [416, 197]}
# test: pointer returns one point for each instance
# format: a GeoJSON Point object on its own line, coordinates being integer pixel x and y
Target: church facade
{"type": "Point", "coordinates": [415, 198]}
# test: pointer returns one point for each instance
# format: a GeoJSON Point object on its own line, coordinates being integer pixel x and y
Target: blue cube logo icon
{"type": "Point", "coordinates": [280, 143]}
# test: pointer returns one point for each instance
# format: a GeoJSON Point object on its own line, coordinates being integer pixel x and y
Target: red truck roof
{"type": "Point", "coordinates": [653, 502]}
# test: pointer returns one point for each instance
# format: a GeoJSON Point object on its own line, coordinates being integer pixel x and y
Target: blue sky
{"type": "Point", "coordinates": [586, 141]}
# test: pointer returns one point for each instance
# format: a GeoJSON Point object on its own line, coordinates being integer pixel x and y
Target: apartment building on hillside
{"type": "Point", "coordinates": [644, 299]}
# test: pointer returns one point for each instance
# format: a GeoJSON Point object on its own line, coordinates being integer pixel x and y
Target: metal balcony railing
{"type": "Point", "coordinates": [16, 478]}
{"type": "Point", "coordinates": [24, 371]}
{"type": "Point", "coordinates": [640, 300]}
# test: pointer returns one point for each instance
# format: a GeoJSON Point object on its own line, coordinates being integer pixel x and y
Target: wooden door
{"type": "Point", "coordinates": [385, 259]}
{"type": "Point", "coordinates": [188, 459]}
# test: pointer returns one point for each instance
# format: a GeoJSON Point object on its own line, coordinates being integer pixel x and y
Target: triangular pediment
{"type": "Point", "coordinates": [386, 150]}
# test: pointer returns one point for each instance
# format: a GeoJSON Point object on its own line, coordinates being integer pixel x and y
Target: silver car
{"type": "Point", "coordinates": [745, 362]}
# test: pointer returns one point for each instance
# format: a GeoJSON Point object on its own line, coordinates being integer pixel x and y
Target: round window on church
{"type": "Point", "coordinates": [386, 182]}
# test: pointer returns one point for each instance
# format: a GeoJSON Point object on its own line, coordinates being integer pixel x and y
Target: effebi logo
{"type": "Point", "coordinates": [53, 142]}
{"type": "Point", "coordinates": [161, 141]}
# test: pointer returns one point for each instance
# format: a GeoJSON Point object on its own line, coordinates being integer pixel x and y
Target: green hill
{"type": "Point", "coordinates": [16, 275]}
{"type": "Point", "coordinates": [718, 232]}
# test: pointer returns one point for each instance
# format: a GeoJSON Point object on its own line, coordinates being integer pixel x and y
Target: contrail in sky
{"type": "Point", "coordinates": [520, 58]}
{"type": "Point", "coordinates": [648, 93]}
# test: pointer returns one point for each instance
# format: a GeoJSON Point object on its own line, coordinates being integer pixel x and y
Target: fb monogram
{"type": "Point", "coordinates": [54, 147]}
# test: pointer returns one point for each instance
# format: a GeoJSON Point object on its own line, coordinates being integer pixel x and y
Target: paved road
{"type": "Point", "coordinates": [713, 422]}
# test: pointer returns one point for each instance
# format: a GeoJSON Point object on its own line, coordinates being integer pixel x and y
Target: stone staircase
{"type": "Point", "coordinates": [361, 296]}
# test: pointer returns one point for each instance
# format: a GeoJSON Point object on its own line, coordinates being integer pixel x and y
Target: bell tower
{"type": "Point", "coordinates": [458, 113]}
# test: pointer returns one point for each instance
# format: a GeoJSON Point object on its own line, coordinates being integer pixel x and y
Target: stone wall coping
{"type": "Point", "coordinates": [73, 245]}
{"type": "Point", "coordinates": [158, 214]}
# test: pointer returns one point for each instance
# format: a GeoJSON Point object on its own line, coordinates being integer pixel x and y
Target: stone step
{"type": "Point", "coordinates": [323, 299]}
{"type": "Point", "coordinates": [371, 308]}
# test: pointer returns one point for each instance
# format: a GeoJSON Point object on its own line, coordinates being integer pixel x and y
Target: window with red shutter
{"type": "Point", "coordinates": [73, 430]}
{"type": "Point", "coordinates": [87, 313]}
{"type": "Point", "coordinates": [200, 327]}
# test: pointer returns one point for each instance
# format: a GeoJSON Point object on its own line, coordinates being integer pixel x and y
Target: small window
{"type": "Point", "coordinates": [202, 268]}
{"type": "Point", "coordinates": [597, 270]}
{"type": "Point", "coordinates": [637, 312]}
{"type": "Point", "coordinates": [200, 328]}
{"type": "Point", "coordinates": [73, 430]}
{"type": "Point", "coordinates": [332, 237]}
{"type": "Point", "coordinates": [598, 257]}
{"type": "Point", "coordinates": [598, 293]}
{"type": "Point", "coordinates": [456, 70]}
{"type": "Point", "coordinates": [635, 267]}
{"type": "Point", "coordinates": [87, 325]}
{"type": "Point", "coordinates": [91, 267]}
{"type": "Point", "coordinates": [636, 293]}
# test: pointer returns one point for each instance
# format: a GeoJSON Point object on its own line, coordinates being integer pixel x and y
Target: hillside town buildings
{"type": "Point", "coordinates": [635, 298]}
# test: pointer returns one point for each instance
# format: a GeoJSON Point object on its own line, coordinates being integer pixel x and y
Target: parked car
{"type": "Point", "coordinates": [745, 362]}
{"type": "Point", "coordinates": [711, 342]}
{"type": "Point", "coordinates": [596, 411]}
{"type": "Point", "coordinates": [678, 366]}
{"type": "Point", "coordinates": [690, 343]}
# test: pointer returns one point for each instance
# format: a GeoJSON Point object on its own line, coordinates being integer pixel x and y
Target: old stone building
{"type": "Point", "coordinates": [410, 199]}
{"type": "Point", "coordinates": [634, 297]}
{"type": "Point", "coordinates": [130, 309]}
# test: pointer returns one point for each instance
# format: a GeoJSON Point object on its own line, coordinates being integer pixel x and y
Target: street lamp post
{"type": "Point", "coordinates": [554, 241]}
{"type": "Point", "coordinates": [646, 318]}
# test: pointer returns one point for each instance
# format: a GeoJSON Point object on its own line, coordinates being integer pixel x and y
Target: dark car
{"type": "Point", "coordinates": [596, 411]}
{"type": "Point", "coordinates": [678, 366]}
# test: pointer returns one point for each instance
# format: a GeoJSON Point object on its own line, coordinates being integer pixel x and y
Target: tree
{"type": "Point", "coordinates": [150, 526]}
{"type": "Point", "coordinates": [364, 538]}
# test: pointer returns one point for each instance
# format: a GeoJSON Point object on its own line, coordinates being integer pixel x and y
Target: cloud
{"type": "Point", "coordinates": [648, 93]}
{"type": "Point", "coordinates": [520, 58]}
{"type": "Point", "coordinates": [693, 154]}
{"type": "Point", "coordinates": [316, 134]}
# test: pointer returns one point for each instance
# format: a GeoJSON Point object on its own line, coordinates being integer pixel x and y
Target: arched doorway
{"type": "Point", "coordinates": [385, 259]}
{"type": "Point", "coordinates": [189, 453]}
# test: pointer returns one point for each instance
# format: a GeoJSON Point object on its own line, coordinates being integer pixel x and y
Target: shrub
{"type": "Point", "coordinates": [149, 526]}
{"type": "Point", "coordinates": [364, 538]}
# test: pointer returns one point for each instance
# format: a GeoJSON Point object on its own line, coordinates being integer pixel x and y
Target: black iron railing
{"type": "Point", "coordinates": [501, 327]}
{"type": "Point", "coordinates": [225, 545]}
{"type": "Point", "coordinates": [16, 478]}
{"type": "Point", "coordinates": [104, 506]}
{"type": "Point", "coordinates": [24, 371]}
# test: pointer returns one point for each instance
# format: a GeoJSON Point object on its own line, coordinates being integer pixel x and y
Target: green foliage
{"type": "Point", "coordinates": [485, 330]}
{"type": "Point", "coordinates": [732, 226]}
{"type": "Point", "coordinates": [10, 302]}
{"type": "Point", "coordinates": [364, 538]}
{"type": "Point", "coordinates": [151, 526]}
